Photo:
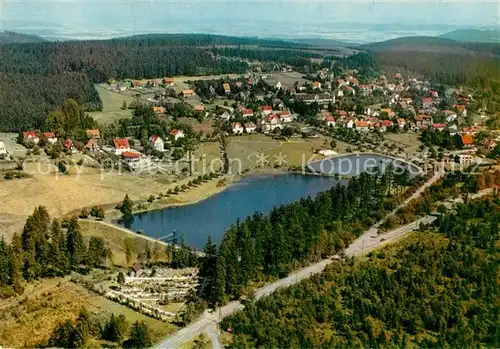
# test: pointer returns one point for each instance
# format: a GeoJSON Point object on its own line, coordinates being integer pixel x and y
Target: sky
{"type": "Point", "coordinates": [285, 18]}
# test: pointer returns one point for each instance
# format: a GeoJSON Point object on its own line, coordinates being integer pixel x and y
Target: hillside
{"type": "Point", "coordinates": [473, 35]}
{"type": "Point", "coordinates": [8, 37]}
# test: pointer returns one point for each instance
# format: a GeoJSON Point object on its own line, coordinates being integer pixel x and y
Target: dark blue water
{"type": "Point", "coordinates": [215, 214]}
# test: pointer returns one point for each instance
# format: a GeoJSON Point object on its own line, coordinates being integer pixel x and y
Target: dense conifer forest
{"type": "Point", "coordinates": [436, 289]}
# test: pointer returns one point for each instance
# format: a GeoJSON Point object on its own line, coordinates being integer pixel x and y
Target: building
{"type": "Point", "coordinates": [489, 144]}
{"type": "Point", "coordinates": [319, 98]}
{"type": "Point", "coordinates": [439, 127]}
{"type": "Point", "coordinates": [330, 121]}
{"type": "Point", "coordinates": [92, 145]}
{"type": "Point", "coordinates": [423, 121]}
{"type": "Point", "coordinates": [3, 150]}
{"type": "Point", "coordinates": [270, 123]}
{"type": "Point", "coordinates": [159, 109]}
{"type": "Point", "coordinates": [30, 136]}
{"type": "Point", "coordinates": [227, 88]}
{"type": "Point", "coordinates": [468, 141]}
{"type": "Point", "coordinates": [188, 93]}
{"type": "Point", "coordinates": [285, 116]}
{"type": "Point", "coordinates": [247, 112]}
{"type": "Point", "coordinates": [237, 128]}
{"type": "Point", "coordinates": [68, 145]}
{"type": "Point", "coordinates": [157, 143]}
{"type": "Point", "coordinates": [266, 109]}
{"type": "Point", "coordinates": [427, 102]}
{"type": "Point", "coordinates": [250, 127]}
{"type": "Point", "coordinates": [176, 134]}
{"type": "Point", "coordinates": [93, 133]}
{"type": "Point", "coordinates": [316, 85]}
{"type": "Point", "coordinates": [121, 146]}
{"type": "Point", "coordinates": [50, 137]}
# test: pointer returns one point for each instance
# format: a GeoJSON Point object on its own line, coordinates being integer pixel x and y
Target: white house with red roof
{"type": "Point", "coordinates": [330, 121]}
{"type": "Point", "coordinates": [92, 145]}
{"type": "Point", "coordinates": [237, 128]}
{"type": "Point", "coordinates": [490, 143]}
{"type": "Point", "coordinates": [157, 143]}
{"type": "Point", "coordinates": [285, 116]}
{"type": "Point", "coordinates": [247, 112]}
{"type": "Point", "coordinates": [270, 123]}
{"type": "Point", "coordinates": [50, 136]}
{"type": "Point", "coordinates": [439, 127]}
{"type": "Point", "coordinates": [121, 146]}
{"type": "Point", "coordinates": [401, 123]}
{"type": "Point", "coordinates": [31, 136]}
{"type": "Point", "coordinates": [266, 109]}
{"type": "Point", "coordinates": [68, 145]}
{"type": "Point", "coordinates": [250, 127]}
{"type": "Point", "coordinates": [427, 102]}
{"type": "Point", "coordinates": [316, 85]}
{"type": "Point", "coordinates": [176, 134]}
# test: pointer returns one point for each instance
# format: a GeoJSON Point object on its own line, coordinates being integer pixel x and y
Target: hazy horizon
{"type": "Point", "coordinates": [356, 21]}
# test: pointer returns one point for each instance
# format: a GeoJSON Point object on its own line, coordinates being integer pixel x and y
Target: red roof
{"type": "Point", "coordinates": [247, 111]}
{"type": "Point", "coordinates": [121, 143]}
{"type": "Point", "coordinates": [68, 144]}
{"type": "Point", "coordinates": [266, 107]}
{"type": "Point", "coordinates": [271, 117]}
{"type": "Point", "coordinates": [154, 138]}
{"type": "Point", "coordinates": [131, 155]}
{"type": "Point", "coordinates": [90, 143]}
{"type": "Point", "coordinates": [249, 125]}
{"type": "Point", "coordinates": [387, 123]}
{"type": "Point", "coordinates": [284, 113]}
{"type": "Point", "coordinates": [467, 140]}
{"type": "Point", "coordinates": [29, 134]}
{"type": "Point", "coordinates": [49, 135]}
{"type": "Point", "coordinates": [174, 132]}
{"type": "Point", "coordinates": [427, 100]}
{"type": "Point", "coordinates": [236, 125]}
{"type": "Point", "coordinates": [438, 125]}
{"type": "Point", "coordinates": [330, 118]}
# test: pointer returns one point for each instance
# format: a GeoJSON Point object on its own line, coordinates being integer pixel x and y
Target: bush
{"type": "Point", "coordinates": [61, 165]}
{"type": "Point", "coordinates": [151, 198]}
{"type": "Point", "coordinates": [9, 175]}
{"type": "Point", "coordinates": [84, 213]}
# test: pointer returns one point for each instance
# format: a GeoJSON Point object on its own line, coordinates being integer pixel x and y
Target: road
{"type": "Point", "coordinates": [214, 337]}
{"type": "Point", "coordinates": [366, 242]}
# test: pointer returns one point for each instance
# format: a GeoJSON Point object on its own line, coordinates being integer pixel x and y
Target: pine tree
{"type": "Point", "coordinates": [140, 336]}
{"type": "Point", "coordinates": [126, 206]}
{"type": "Point", "coordinates": [5, 263]}
{"type": "Point", "coordinates": [17, 263]}
{"type": "Point", "coordinates": [75, 246]}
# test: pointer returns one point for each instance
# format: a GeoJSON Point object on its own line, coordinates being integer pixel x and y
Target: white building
{"type": "Point", "coordinates": [237, 128]}
{"type": "Point", "coordinates": [3, 151]}
{"type": "Point", "coordinates": [157, 143]}
{"type": "Point", "coordinates": [176, 134]}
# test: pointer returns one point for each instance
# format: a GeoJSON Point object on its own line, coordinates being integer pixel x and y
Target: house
{"type": "Point", "coordinates": [92, 145]}
{"type": "Point", "coordinates": [199, 107]}
{"type": "Point", "coordinates": [157, 143]}
{"type": "Point", "coordinates": [30, 136]}
{"type": "Point", "coordinates": [227, 88]}
{"type": "Point", "coordinates": [489, 144]}
{"type": "Point", "coordinates": [452, 129]}
{"type": "Point", "coordinates": [159, 110]}
{"type": "Point", "coordinates": [188, 93]}
{"type": "Point", "coordinates": [250, 127]}
{"type": "Point", "coordinates": [319, 98]}
{"type": "Point", "coordinates": [176, 134]}
{"type": "Point", "coordinates": [468, 141]}
{"type": "Point", "coordinates": [136, 270]}
{"type": "Point", "coordinates": [266, 109]}
{"type": "Point", "coordinates": [439, 127]}
{"type": "Point", "coordinates": [427, 102]}
{"type": "Point", "coordinates": [168, 82]}
{"type": "Point", "coordinates": [278, 85]}
{"type": "Point", "coordinates": [423, 121]}
{"type": "Point", "coordinates": [239, 84]}
{"type": "Point", "coordinates": [362, 125]}
{"type": "Point", "coordinates": [93, 133]}
{"type": "Point", "coordinates": [434, 93]}
{"type": "Point", "coordinates": [461, 109]}
{"type": "Point", "coordinates": [136, 83]}
{"type": "Point", "coordinates": [330, 121]}
{"type": "Point", "coordinates": [237, 128]}
{"type": "Point", "coordinates": [384, 124]}
{"type": "Point", "coordinates": [401, 123]}
{"type": "Point", "coordinates": [68, 145]}
{"type": "Point", "coordinates": [349, 123]}
{"type": "Point", "coordinates": [285, 116]}
{"type": "Point", "coordinates": [121, 145]}
{"type": "Point", "coordinates": [365, 89]}
{"type": "Point", "coordinates": [388, 111]}
{"type": "Point", "coordinates": [316, 85]}
{"type": "Point", "coordinates": [466, 159]}
{"type": "Point", "coordinates": [3, 151]}
{"type": "Point", "coordinates": [50, 137]}
{"type": "Point", "coordinates": [247, 112]}
{"type": "Point", "coordinates": [270, 123]}
{"type": "Point", "coordinates": [449, 115]}
{"type": "Point", "coordinates": [342, 113]}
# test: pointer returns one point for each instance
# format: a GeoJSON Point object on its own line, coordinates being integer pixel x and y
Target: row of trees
{"type": "Point", "coordinates": [435, 290]}
{"type": "Point", "coordinates": [76, 334]}
{"type": "Point", "coordinates": [270, 246]}
{"type": "Point", "coordinates": [45, 248]}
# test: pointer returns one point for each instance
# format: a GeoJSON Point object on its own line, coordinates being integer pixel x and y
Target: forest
{"type": "Point", "coordinates": [36, 78]}
{"type": "Point", "coordinates": [46, 248]}
{"type": "Point", "coordinates": [266, 247]}
{"type": "Point", "coordinates": [438, 288]}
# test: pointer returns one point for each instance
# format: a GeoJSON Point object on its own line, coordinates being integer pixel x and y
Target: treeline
{"type": "Point", "coordinates": [435, 290]}
{"type": "Point", "coordinates": [285, 56]}
{"type": "Point", "coordinates": [263, 247]}
{"type": "Point", "coordinates": [46, 248]}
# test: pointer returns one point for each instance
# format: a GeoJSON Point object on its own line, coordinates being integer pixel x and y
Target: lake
{"type": "Point", "coordinates": [212, 216]}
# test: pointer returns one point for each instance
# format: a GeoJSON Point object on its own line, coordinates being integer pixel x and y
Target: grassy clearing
{"type": "Point", "coordinates": [28, 319]}
{"type": "Point", "coordinates": [200, 342]}
{"type": "Point", "coordinates": [115, 240]}
{"type": "Point", "coordinates": [112, 103]}
{"type": "Point", "coordinates": [409, 141]}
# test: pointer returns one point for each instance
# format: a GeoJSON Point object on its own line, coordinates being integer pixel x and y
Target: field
{"type": "Point", "coordinates": [112, 104]}
{"type": "Point", "coordinates": [286, 79]}
{"type": "Point", "coordinates": [28, 319]}
{"type": "Point", "coordinates": [409, 141]}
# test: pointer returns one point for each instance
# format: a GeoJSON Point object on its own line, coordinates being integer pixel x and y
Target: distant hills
{"type": "Point", "coordinates": [474, 35]}
{"type": "Point", "coordinates": [9, 37]}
